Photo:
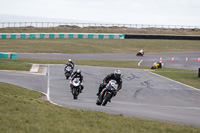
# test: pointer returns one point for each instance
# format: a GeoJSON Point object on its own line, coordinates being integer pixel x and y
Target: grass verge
{"type": "Point", "coordinates": [189, 77]}
{"type": "Point", "coordinates": [14, 66]}
{"type": "Point", "coordinates": [92, 46]}
{"type": "Point", "coordinates": [22, 111]}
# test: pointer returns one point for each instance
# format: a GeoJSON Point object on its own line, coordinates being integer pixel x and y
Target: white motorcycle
{"type": "Point", "coordinates": [75, 87]}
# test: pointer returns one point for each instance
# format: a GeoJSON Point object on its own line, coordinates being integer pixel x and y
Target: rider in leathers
{"type": "Point", "coordinates": [115, 76]}
{"type": "Point", "coordinates": [70, 63]}
{"type": "Point", "coordinates": [77, 74]}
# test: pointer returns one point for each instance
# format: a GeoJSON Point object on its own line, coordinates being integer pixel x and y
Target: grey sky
{"type": "Point", "coordinates": [166, 12]}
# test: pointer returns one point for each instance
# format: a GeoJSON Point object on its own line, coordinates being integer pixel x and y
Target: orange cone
{"type": "Point", "coordinates": [186, 59]}
{"type": "Point", "coordinates": [198, 59]}
{"type": "Point", "coordinates": [172, 59]}
{"type": "Point", "coordinates": [160, 59]}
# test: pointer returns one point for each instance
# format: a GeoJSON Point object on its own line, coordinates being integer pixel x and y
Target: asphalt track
{"type": "Point", "coordinates": [143, 95]}
{"type": "Point", "coordinates": [147, 59]}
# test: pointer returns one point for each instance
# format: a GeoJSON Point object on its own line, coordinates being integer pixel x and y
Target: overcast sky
{"type": "Point", "coordinates": [164, 12]}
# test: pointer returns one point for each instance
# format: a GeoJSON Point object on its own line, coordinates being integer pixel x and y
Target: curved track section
{"type": "Point", "coordinates": [148, 59]}
{"type": "Point", "coordinates": [144, 95]}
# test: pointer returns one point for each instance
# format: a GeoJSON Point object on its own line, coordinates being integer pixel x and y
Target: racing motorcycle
{"type": "Point", "coordinates": [107, 93]}
{"type": "Point", "coordinates": [75, 87]}
{"type": "Point", "coordinates": [157, 65]}
{"type": "Point", "coordinates": [140, 54]}
{"type": "Point", "coordinates": [68, 71]}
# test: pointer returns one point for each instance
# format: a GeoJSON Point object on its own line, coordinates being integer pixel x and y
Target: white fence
{"type": "Point", "coordinates": [81, 25]}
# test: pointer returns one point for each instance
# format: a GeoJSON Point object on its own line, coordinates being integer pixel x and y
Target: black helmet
{"type": "Point", "coordinates": [78, 71]}
{"type": "Point", "coordinates": [117, 74]}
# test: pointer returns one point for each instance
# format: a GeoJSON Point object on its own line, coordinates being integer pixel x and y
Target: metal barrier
{"type": "Point", "coordinates": [170, 37]}
{"type": "Point", "coordinates": [81, 25]}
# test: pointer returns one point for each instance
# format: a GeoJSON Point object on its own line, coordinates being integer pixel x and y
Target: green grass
{"type": "Point", "coordinates": [14, 66]}
{"type": "Point", "coordinates": [189, 77]}
{"type": "Point", "coordinates": [22, 111]}
{"type": "Point", "coordinates": [85, 46]}
{"type": "Point", "coordinates": [125, 64]}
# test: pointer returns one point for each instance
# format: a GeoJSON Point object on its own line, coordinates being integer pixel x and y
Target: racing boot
{"type": "Point", "coordinates": [100, 89]}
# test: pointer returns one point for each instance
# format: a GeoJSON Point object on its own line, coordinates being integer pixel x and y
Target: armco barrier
{"type": "Point", "coordinates": [169, 37]}
{"type": "Point", "coordinates": [60, 35]}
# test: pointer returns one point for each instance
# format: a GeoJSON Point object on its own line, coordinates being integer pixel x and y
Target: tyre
{"type": "Point", "coordinates": [75, 96]}
{"type": "Point", "coordinates": [107, 98]}
{"type": "Point", "coordinates": [67, 75]}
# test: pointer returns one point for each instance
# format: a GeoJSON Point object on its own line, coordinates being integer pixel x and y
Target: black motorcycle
{"type": "Point", "coordinates": [68, 71]}
{"type": "Point", "coordinates": [75, 87]}
{"type": "Point", "coordinates": [107, 93]}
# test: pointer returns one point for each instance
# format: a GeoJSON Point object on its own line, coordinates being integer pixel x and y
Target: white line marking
{"type": "Point", "coordinates": [140, 62]}
{"type": "Point", "coordinates": [175, 81]}
{"type": "Point", "coordinates": [48, 88]}
{"type": "Point", "coordinates": [48, 98]}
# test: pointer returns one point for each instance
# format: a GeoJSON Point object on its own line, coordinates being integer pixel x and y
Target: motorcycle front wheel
{"type": "Point", "coordinates": [107, 98]}
{"type": "Point", "coordinates": [74, 93]}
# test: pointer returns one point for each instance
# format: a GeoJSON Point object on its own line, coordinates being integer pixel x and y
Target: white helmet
{"type": "Point", "coordinates": [70, 60]}
{"type": "Point", "coordinates": [117, 74]}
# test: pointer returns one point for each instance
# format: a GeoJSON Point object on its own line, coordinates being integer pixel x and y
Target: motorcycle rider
{"type": "Point", "coordinates": [115, 76]}
{"type": "Point", "coordinates": [70, 63]}
{"type": "Point", "coordinates": [77, 74]}
{"type": "Point", "coordinates": [141, 51]}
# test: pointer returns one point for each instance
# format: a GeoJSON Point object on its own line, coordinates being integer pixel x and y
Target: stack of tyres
{"type": "Point", "coordinates": [4, 55]}
{"type": "Point", "coordinates": [13, 56]}
{"type": "Point", "coordinates": [8, 55]}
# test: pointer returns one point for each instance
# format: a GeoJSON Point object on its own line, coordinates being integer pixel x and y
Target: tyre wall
{"type": "Point", "coordinates": [59, 35]}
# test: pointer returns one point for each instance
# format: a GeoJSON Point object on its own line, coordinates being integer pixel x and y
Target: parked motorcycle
{"type": "Point", "coordinates": [68, 71]}
{"type": "Point", "coordinates": [107, 93]}
{"type": "Point", "coordinates": [75, 87]}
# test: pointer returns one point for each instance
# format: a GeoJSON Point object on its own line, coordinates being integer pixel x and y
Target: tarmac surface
{"type": "Point", "coordinates": [147, 59]}
{"type": "Point", "coordinates": [144, 94]}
